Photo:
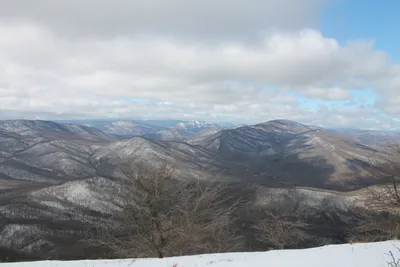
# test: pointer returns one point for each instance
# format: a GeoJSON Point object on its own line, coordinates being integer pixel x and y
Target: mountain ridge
{"type": "Point", "coordinates": [67, 172]}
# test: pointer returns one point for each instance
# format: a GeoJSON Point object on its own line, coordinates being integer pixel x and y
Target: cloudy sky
{"type": "Point", "coordinates": [332, 63]}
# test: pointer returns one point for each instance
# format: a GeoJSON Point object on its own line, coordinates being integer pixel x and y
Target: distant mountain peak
{"type": "Point", "coordinates": [286, 122]}
{"type": "Point", "coordinates": [123, 123]}
{"type": "Point", "coordinates": [194, 124]}
{"type": "Point", "coordinates": [282, 124]}
{"type": "Point", "coordinates": [181, 125]}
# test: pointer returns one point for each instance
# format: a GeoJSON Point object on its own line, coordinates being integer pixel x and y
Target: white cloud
{"type": "Point", "coordinates": [334, 93]}
{"type": "Point", "coordinates": [205, 19]}
{"type": "Point", "coordinates": [77, 65]}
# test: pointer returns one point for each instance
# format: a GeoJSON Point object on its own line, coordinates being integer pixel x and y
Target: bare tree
{"type": "Point", "coordinates": [372, 226]}
{"type": "Point", "coordinates": [281, 226]}
{"type": "Point", "coordinates": [279, 231]}
{"type": "Point", "coordinates": [158, 216]}
{"type": "Point", "coordinates": [379, 219]}
{"type": "Point", "coordinates": [386, 171]}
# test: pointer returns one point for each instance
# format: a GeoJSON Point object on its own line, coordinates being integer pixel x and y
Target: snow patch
{"type": "Point", "coordinates": [348, 255]}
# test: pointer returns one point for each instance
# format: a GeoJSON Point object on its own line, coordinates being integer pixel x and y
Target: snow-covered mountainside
{"type": "Point", "coordinates": [35, 156]}
{"type": "Point", "coordinates": [373, 138]}
{"type": "Point", "coordinates": [189, 160]}
{"type": "Point", "coordinates": [348, 255]}
{"type": "Point", "coordinates": [49, 129]}
{"type": "Point", "coordinates": [186, 130]}
{"type": "Point", "coordinates": [276, 153]}
{"type": "Point", "coordinates": [124, 128]}
{"type": "Point", "coordinates": [66, 171]}
{"type": "Point", "coordinates": [44, 151]}
{"type": "Point", "coordinates": [179, 131]}
{"type": "Point", "coordinates": [292, 153]}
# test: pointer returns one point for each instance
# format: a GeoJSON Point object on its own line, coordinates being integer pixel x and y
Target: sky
{"type": "Point", "coordinates": [332, 63]}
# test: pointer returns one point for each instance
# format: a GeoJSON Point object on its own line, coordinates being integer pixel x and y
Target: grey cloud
{"type": "Point", "coordinates": [112, 61]}
{"type": "Point", "coordinates": [328, 93]}
{"type": "Point", "coordinates": [199, 19]}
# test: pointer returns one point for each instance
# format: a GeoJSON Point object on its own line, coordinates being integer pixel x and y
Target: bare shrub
{"type": "Point", "coordinates": [380, 218]}
{"type": "Point", "coordinates": [158, 216]}
{"type": "Point", "coordinates": [386, 196]}
{"type": "Point", "coordinates": [393, 260]}
{"type": "Point", "coordinates": [280, 226]}
{"type": "Point", "coordinates": [372, 226]}
{"type": "Point", "coordinates": [281, 232]}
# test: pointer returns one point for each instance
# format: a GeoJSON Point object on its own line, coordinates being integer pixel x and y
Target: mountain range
{"type": "Point", "coordinates": [162, 130]}
{"type": "Point", "coordinates": [54, 170]}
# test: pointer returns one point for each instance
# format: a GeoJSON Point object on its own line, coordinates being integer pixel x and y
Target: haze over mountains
{"type": "Point", "coordinates": [51, 170]}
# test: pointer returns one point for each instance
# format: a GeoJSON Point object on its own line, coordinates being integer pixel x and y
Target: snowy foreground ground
{"type": "Point", "coordinates": [363, 255]}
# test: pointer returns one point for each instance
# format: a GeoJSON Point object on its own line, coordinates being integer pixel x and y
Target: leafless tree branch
{"type": "Point", "coordinates": [158, 216]}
